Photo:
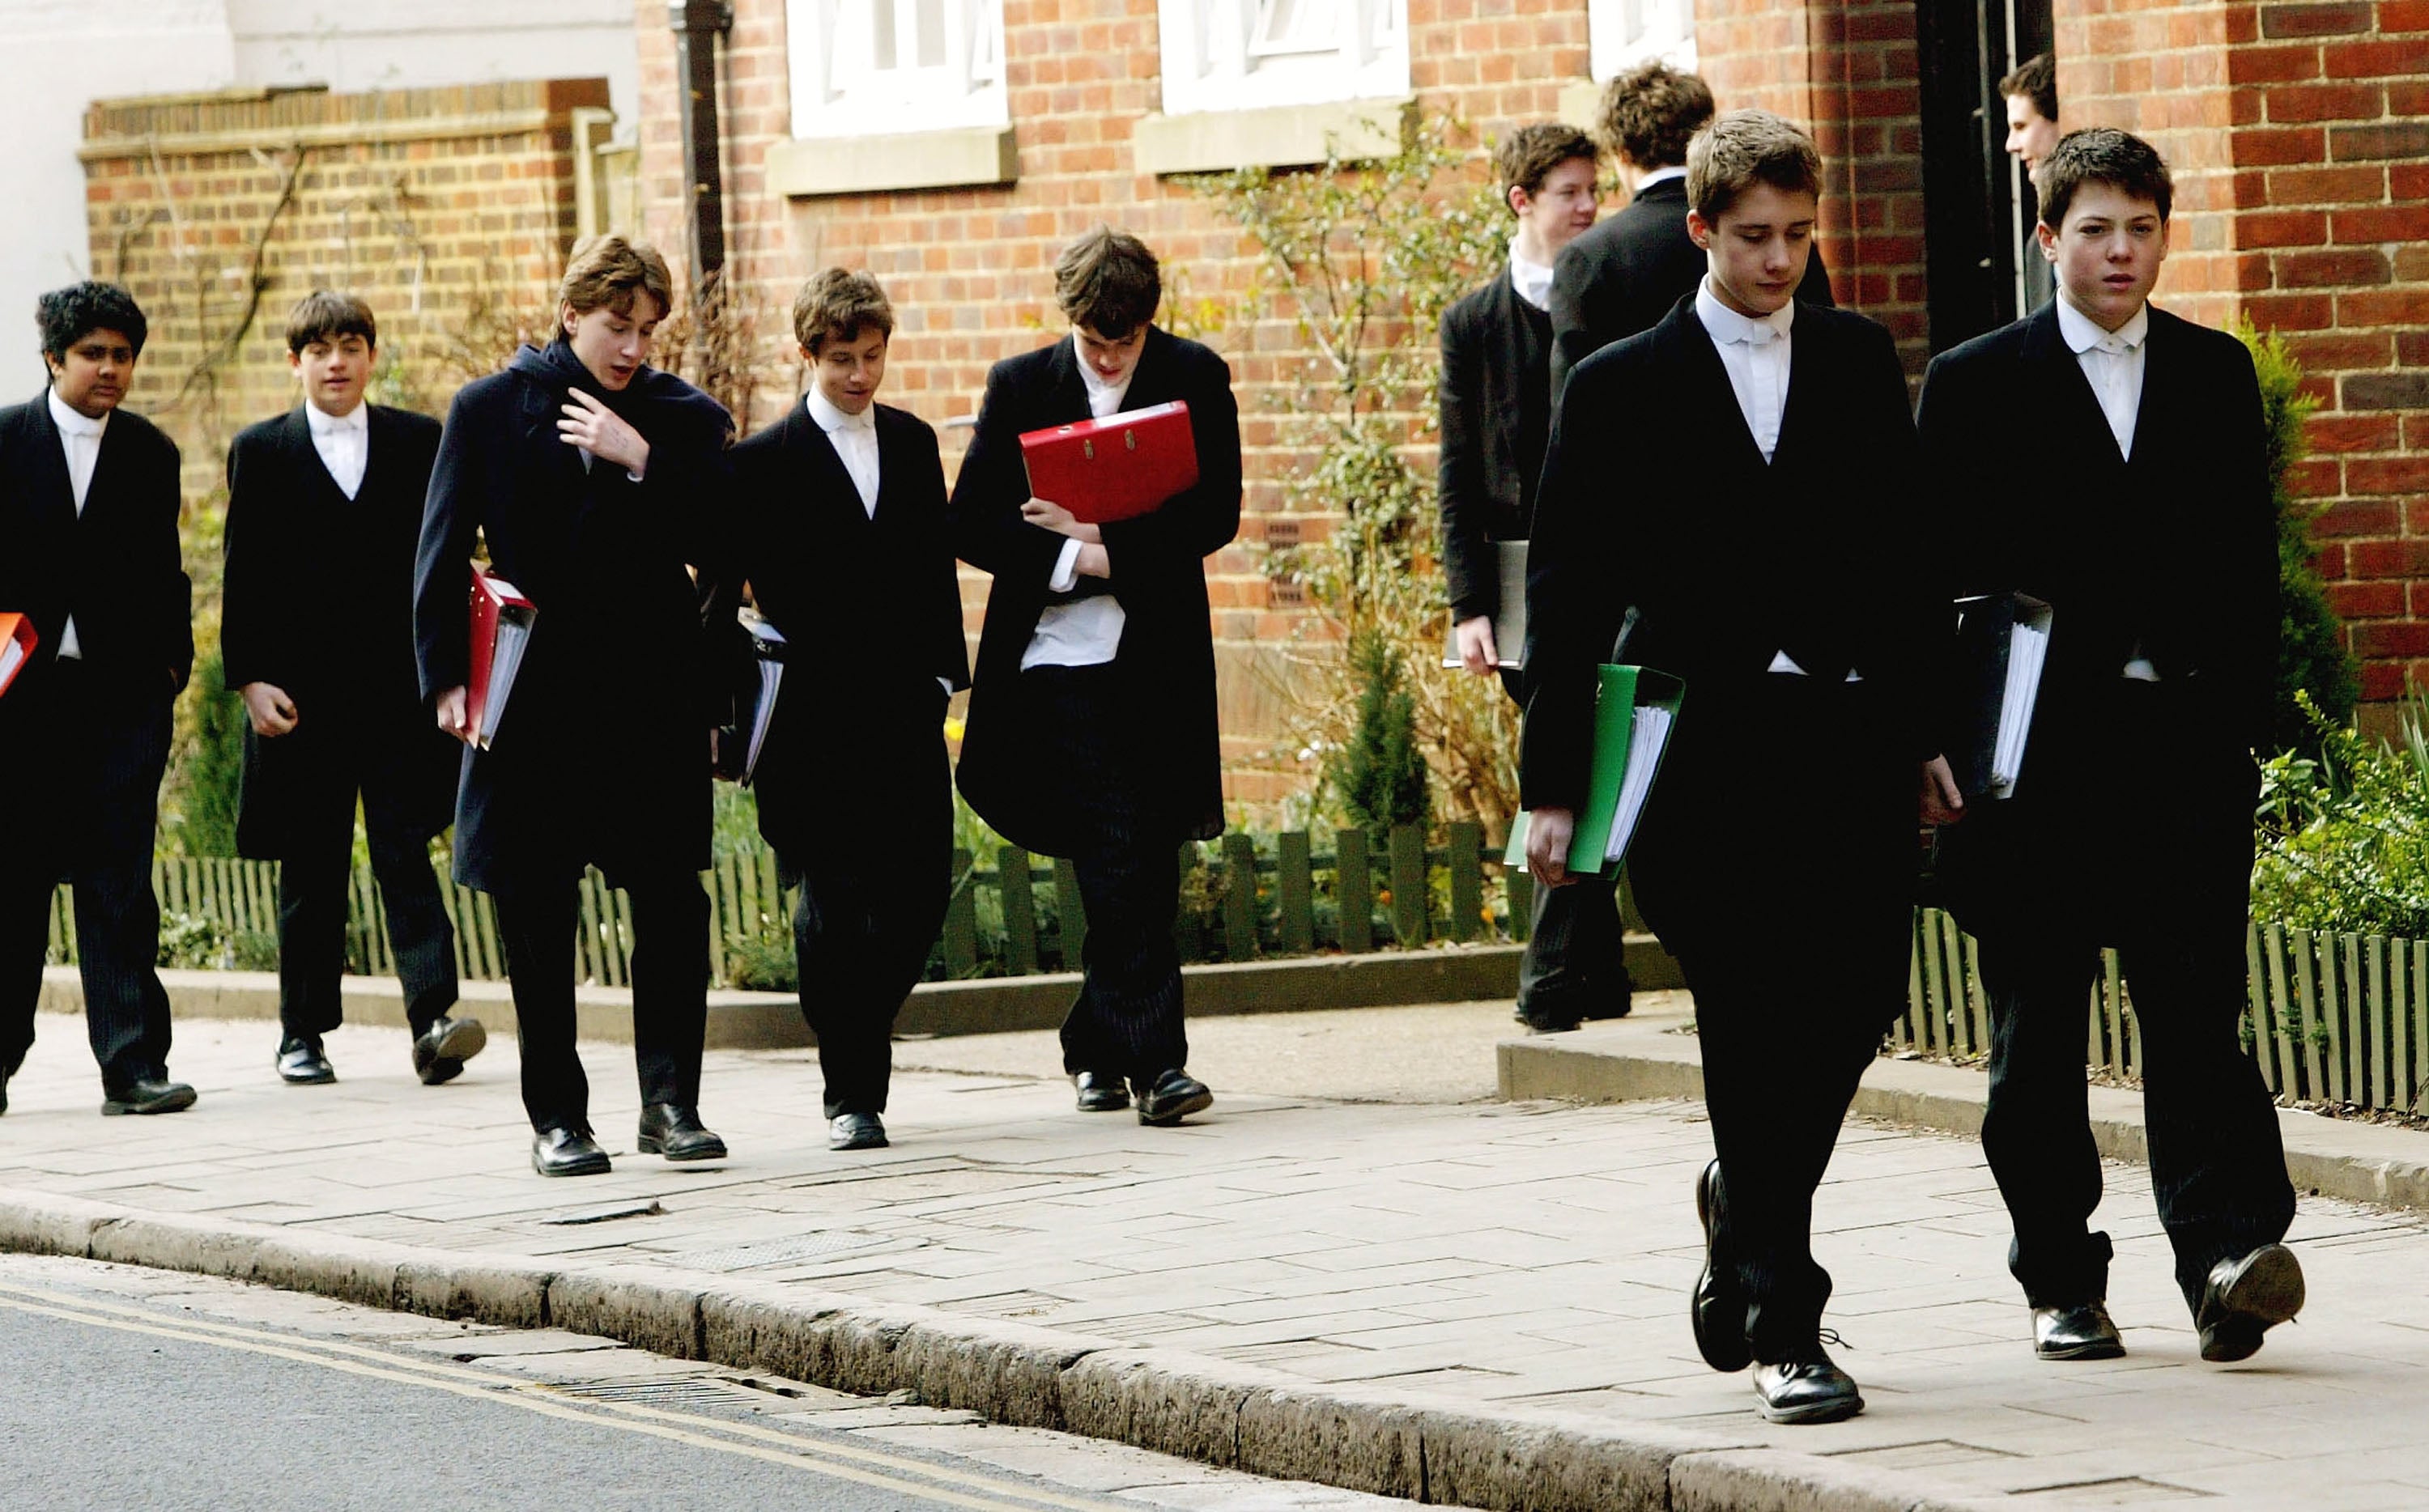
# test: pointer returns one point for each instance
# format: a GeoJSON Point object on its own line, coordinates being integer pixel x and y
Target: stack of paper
{"type": "Point", "coordinates": [2002, 645]}
{"type": "Point", "coordinates": [767, 643]}
{"type": "Point", "coordinates": [1648, 735]}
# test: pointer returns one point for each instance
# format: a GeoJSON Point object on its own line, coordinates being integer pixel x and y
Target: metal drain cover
{"type": "Point", "coordinates": [779, 1251]}
{"type": "Point", "coordinates": [689, 1392]}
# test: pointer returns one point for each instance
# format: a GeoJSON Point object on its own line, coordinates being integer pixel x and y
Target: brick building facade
{"type": "Point", "coordinates": [449, 209]}
{"type": "Point", "coordinates": [2300, 135]}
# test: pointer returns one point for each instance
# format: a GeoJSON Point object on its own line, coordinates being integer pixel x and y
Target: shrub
{"type": "Point", "coordinates": [1382, 774]}
{"type": "Point", "coordinates": [2344, 835]}
{"type": "Point", "coordinates": [2311, 654]}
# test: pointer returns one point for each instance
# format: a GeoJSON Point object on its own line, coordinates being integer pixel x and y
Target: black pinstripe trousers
{"type": "Point", "coordinates": [85, 807]}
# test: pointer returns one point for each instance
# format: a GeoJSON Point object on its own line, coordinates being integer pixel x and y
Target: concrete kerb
{"type": "Point", "coordinates": [1203, 1408]}
{"type": "Point", "coordinates": [2350, 1160]}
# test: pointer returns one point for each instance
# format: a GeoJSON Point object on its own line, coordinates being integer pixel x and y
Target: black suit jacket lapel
{"type": "Point", "coordinates": [47, 482]}
{"type": "Point", "coordinates": [1717, 394]}
{"type": "Point", "coordinates": [2163, 384]}
{"type": "Point", "coordinates": [2045, 343]}
{"type": "Point", "coordinates": [830, 485]}
{"type": "Point", "coordinates": [1068, 398]}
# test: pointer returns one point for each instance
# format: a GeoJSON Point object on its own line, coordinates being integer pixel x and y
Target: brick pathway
{"type": "Point", "coordinates": [1486, 1252]}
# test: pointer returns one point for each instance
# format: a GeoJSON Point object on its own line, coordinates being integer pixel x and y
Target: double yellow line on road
{"type": "Point", "coordinates": [875, 1468]}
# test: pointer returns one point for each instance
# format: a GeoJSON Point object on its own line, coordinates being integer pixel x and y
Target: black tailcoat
{"type": "Point", "coordinates": [1167, 650]}
{"type": "Point", "coordinates": [1496, 416]}
{"type": "Point", "coordinates": [1731, 561]}
{"type": "Point", "coordinates": [602, 753]}
{"type": "Point", "coordinates": [1622, 274]}
{"type": "Point", "coordinates": [872, 609]}
{"type": "Point", "coordinates": [2174, 551]}
{"type": "Point", "coordinates": [318, 600]}
{"type": "Point", "coordinates": [117, 562]}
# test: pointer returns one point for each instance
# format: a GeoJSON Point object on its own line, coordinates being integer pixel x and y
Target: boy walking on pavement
{"type": "Point", "coordinates": [1496, 416]}
{"type": "Point", "coordinates": [316, 635]}
{"type": "Point", "coordinates": [89, 505]}
{"type": "Point", "coordinates": [1763, 523]}
{"type": "Point", "coordinates": [2145, 522]}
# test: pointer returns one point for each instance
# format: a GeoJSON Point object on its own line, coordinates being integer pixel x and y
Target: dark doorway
{"type": "Point", "coordinates": [1977, 204]}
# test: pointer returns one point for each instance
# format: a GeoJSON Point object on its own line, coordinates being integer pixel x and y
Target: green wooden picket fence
{"type": "Point", "coordinates": [1244, 898]}
{"type": "Point", "coordinates": [2329, 1017]}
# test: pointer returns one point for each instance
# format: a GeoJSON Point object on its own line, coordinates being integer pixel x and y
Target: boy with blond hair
{"type": "Point", "coordinates": [1762, 529]}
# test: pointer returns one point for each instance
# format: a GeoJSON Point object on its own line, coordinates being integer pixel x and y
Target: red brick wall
{"type": "Point", "coordinates": [426, 202]}
{"type": "Point", "coordinates": [2299, 138]}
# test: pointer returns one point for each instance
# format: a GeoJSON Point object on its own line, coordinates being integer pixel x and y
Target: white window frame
{"type": "Point", "coordinates": [838, 92]}
{"type": "Point", "coordinates": [1224, 54]}
{"type": "Point", "coordinates": [1621, 34]}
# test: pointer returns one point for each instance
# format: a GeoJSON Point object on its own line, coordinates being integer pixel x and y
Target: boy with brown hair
{"type": "Point", "coordinates": [316, 635]}
{"type": "Point", "coordinates": [594, 479]}
{"type": "Point", "coordinates": [1765, 538]}
{"type": "Point", "coordinates": [839, 527]}
{"type": "Point", "coordinates": [1496, 416]}
{"type": "Point", "coordinates": [1624, 275]}
{"type": "Point", "coordinates": [1092, 724]}
{"type": "Point", "coordinates": [2146, 523]}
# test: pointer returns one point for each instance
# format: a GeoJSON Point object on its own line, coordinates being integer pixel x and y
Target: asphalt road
{"type": "Point", "coordinates": [136, 1388]}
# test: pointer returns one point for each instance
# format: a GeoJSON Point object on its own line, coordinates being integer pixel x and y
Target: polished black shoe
{"type": "Point", "coordinates": [1102, 1092]}
{"type": "Point", "coordinates": [2245, 1298]}
{"type": "Point", "coordinates": [1808, 1389]}
{"type": "Point", "coordinates": [2082, 1331]}
{"type": "Point", "coordinates": [1719, 1313]}
{"type": "Point", "coordinates": [1536, 1024]}
{"type": "Point", "coordinates": [146, 1094]}
{"type": "Point", "coordinates": [441, 1050]}
{"type": "Point", "coordinates": [567, 1152]}
{"type": "Point", "coordinates": [677, 1133]}
{"type": "Point", "coordinates": [1171, 1097]}
{"type": "Point", "coordinates": [856, 1131]}
{"type": "Point", "coordinates": [302, 1063]}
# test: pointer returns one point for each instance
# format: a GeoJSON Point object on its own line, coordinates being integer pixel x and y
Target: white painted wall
{"type": "Point", "coordinates": [354, 46]}
{"type": "Point", "coordinates": [58, 56]}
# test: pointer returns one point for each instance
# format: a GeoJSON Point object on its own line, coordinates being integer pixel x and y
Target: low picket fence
{"type": "Point", "coordinates": [2329, 1017]}
{"type": "Point", "coordinates": [1243, 897]}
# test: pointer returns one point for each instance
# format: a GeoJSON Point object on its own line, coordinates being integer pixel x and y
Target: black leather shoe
{"type": "Point", "coordinates": [302, 1063]}
{"type": "Point", "coordinates": [567, 1152]}
{"type": "Point", "coordinates": [1808, 1389]}
{"type": "Point", "coordinates": [1537, 1024]}
{"type": "Point", "coordinates": [146, 1094]}
{"type": "Point", "coordinates": [441, 1050]}
{"type": "Point", "coordinates": [856, 1131]}
{"type": "Point", "coordinates": [1171, 1097]}
{"type": "Point", "coordinates": [2082, 1331]}
{"type": "Point", "coordinates": [1102, 1092]}
{"type": "Point", "coordinates": [2245, 1298]}
{"type": "Point", "coordinates": [677, 1133]}
{"type": "Point", "coordinates": [1719, 1313]}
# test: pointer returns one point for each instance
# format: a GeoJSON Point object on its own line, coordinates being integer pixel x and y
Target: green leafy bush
{"type": "Point", "coordinates": [2311, 654]}
{"type": "Point", "coordinates": [1382, 774]}
{"type": "Point", "coordinates": [2345, 833]}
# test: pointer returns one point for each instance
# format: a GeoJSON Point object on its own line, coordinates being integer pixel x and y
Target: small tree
{"type": "Point", "coordinates": [2311, 654]}
{"type": "Point", "coordinates": [1366, 255]}
{"type": "Point", "coordinates": [1382, 774]}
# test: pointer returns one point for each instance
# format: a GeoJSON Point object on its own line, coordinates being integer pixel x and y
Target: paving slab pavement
{"type": "Point", "coordinates": [1520, 1266]}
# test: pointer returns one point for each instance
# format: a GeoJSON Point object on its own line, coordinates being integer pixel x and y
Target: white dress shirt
{"type": "Point", "coordinates": [80, 437]}
{"type": "Point", "coordinates": [1755, 354]}
{"type": "Point", "coordinates": [2112, 364]}
{"type": "Point", "coordinates": [1085, 632]}
{"type": "Point", "coordinates": [344, 442]}
{"type": "Point", "coordinates": [855, 438]}
{"type": "Point", "coordinates": [1532, 280]}
{"type": "Point", "coordinates": [1659, 175]}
